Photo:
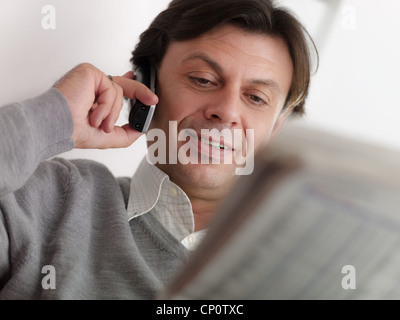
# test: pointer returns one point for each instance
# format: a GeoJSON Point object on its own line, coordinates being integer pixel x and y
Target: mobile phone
{"type": "Point", "coordinates": [141, 114]}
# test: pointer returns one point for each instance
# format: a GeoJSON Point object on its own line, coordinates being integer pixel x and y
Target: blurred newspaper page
{"type": "Point", "coordinates": [318, 219]}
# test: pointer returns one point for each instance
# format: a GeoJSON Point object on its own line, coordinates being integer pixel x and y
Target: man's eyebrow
{"type": "Point", "coordinates": [202, 56]}
{"type": "Point", "coordinates": [269, 83]}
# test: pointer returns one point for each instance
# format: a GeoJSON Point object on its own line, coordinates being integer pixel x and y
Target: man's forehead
{"type": "Point", "coordinates": [236, 42]}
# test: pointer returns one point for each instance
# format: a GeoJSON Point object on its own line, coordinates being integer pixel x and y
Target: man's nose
{"type": "Point", "coordinates": [225, 107]}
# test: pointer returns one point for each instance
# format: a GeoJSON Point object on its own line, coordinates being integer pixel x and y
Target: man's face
{"type": "Point", "coordinates": [226, 79]}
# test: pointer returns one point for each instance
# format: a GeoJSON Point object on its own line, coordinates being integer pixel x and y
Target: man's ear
{"type": "Point", "coordinates": [280, 122]}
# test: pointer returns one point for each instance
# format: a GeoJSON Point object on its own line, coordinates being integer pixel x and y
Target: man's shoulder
{"type": "Point", "coordinates": [75, 167]}
{"type": "Point", "coordinates": [82, 172]}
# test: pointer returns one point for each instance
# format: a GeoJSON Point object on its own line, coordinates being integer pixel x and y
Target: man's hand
{"type": "Point", "coordinates": [96, 102]}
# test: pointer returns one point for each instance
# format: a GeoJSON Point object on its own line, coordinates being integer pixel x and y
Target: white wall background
{"type": "Point", "coordinates": [355, 92]}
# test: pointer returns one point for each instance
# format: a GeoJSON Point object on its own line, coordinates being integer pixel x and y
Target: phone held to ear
{"type": "Point", "coordinates": [140, 114]}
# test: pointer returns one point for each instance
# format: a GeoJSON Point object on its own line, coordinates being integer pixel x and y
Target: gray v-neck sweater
{"type": "Point", "coordinates": [64, 224]}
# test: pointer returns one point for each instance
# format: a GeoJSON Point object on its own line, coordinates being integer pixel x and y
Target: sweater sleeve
{"type": "Point", "coordinates": [32, 131]}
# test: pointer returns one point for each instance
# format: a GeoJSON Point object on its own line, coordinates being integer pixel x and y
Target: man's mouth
{"type": "Point", "coordinates": [214, 144]}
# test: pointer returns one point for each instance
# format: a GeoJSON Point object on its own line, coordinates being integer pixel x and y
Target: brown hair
{"type": "Point", "coordinates": [189, 19]}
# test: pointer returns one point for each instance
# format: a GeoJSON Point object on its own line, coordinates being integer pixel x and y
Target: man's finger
{"type": "Point", "coordinates": [129, 75]}
{"type": "Point", "coordinates": [135, 90]}
{"type": "Point", "coordinates": [105, 100]}
{"type": "Point", "coordinates": [120, 137]}
{"type": "Point", "coordinates": [109, 122]}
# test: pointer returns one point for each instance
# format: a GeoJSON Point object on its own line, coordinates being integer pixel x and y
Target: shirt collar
{"type": "Point", "coordinates": [151, 188]}
{"type": "Point", "coordinates": [146, 186]}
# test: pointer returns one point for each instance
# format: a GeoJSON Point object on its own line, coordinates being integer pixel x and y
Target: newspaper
{"type": "Point", "coordinates": [318, 219]}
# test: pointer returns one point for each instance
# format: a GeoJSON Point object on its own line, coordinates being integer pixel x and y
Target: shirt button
{"type": "Point", "coordinates": [173, 192]}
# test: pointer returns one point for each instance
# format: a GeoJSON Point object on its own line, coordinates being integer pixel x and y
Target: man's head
{"type": "Point", "coordinates": [189, 19]}
{"type": "Point", "coordinates": [224, 64]}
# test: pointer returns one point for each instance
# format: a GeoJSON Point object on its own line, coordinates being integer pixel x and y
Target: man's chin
{"type": "Point", "coordinates": [202, 175]}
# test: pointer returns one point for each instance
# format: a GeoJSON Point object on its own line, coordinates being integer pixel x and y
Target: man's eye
{"type": "Point", "coordinates": [256, 99]}
{"type": "Point", "coordinates": [202, 81]}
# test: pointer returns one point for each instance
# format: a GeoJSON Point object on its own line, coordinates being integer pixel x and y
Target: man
{"type": "Point", "coordinates": [70, 229]}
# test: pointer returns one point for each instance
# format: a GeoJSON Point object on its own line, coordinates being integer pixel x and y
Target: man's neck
{"type": "Point", "coordinates": [204, 205]}
{"type": "Point", "coordinates": [203, 211]}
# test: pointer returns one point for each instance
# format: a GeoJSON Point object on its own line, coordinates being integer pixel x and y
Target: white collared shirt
{"type": "Point", "coordinates": [151, 189]}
